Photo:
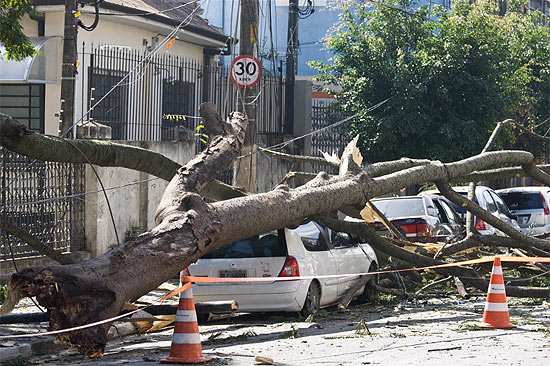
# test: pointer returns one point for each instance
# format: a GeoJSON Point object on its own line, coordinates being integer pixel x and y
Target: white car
{"type": "Point", "coordinates": [309, 250]}
{"type": "Point", "coordinates": [530, 205]}
{"type": "Point", "coordinates": [489, 200]}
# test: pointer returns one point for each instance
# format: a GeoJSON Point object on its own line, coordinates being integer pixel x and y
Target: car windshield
{"type": "Point", "coordinates": [522, 200]}
{"type": "Point", "coordinates": [399, 207]}
{"type": "Point", "coordinates": [263, 245]}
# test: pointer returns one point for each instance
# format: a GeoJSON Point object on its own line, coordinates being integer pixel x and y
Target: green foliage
{"type": "Point", "coordinates": [450, 79]}
{"type": "Point", "coordinates": [133, 233]}
{"type": "Point", "coordinates": [17, 45]}
{"type": "Point", "coordinates": [291, 334]}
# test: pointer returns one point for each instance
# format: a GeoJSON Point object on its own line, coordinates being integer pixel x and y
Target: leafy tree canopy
{"type": "Point", "coordinates": [451, 74]}
{"type": "Point", "coordinates": [16, 44]}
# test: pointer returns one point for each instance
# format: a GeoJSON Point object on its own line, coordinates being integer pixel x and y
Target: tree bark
{"type": "Point", "coordinates": [18, 138]}
{"type": "Point", "coordinates": [187, 228]}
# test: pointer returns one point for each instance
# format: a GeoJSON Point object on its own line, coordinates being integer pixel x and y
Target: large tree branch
{"type": "Point", "coordinates": [467, 275]}
{"type": "Point", "coordinates": [476, 210]}
{"type": "Point", "coordinates": [34, 243]}
{"type": "Point", "coordinates": [18, 138]}
{"type": "Point", "coordinates": [494, 174]}
{"type": "Point", "coordinates": [188, 228]}
{"type": "Point", "coordinates": [470, 228]}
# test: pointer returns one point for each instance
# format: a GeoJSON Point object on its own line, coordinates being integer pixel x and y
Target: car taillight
{"type": "Point", "coordinates": [480, 224]}
{"type": "Point", "coordinates": [544, 204]}
{"type": "Point", "coordinates": [419, 229]}
{"type": "Point", "coordinates": [290, 268]}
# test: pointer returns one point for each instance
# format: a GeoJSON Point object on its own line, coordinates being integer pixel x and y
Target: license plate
{"type": "Point", "coordinates": [232, 273]}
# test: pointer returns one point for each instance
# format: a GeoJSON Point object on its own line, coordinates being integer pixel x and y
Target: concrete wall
{"type": "Point", "coordinates": [133, 206]}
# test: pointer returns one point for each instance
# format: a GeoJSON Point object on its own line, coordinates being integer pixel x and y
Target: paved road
{"type": "Point", "coordinates": [423, 333]}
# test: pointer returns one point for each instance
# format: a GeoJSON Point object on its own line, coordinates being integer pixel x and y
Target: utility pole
{"type": "Point", "coordinates": [291, 62]}
{"type": "Point", "coordinates": [68, 69]}
{"type": "Point", "coordinates": [245, 173]}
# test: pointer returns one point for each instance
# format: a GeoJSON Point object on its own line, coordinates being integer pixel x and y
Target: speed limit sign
{"type": "Point", "coordinates": [245, 71]}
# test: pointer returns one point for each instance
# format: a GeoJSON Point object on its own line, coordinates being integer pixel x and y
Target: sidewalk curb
{"type": "Point", "coordinates": [35, 348]}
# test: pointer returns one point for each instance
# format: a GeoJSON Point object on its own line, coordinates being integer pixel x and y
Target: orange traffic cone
{"type": "Point", "coordinates": [496, 309]}
{"type": "Point", "coordinates": [186, 340]}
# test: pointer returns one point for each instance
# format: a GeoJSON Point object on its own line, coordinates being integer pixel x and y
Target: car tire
{"type": "Point", "coordinates": [370, 292]}
{"type": "Point", "coordinates": [313, 300]}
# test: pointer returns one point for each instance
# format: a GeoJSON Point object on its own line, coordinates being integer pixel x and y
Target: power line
{"type": "Point", "coordinates": [144, 14]}
{"type": "Point", "coordinates": [276, 146]}
{"type": "Point", "coordinates": [146, 58]}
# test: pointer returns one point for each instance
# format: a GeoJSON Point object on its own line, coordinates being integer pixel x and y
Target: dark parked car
{"type": "Point", "coordinates": [421, 218]}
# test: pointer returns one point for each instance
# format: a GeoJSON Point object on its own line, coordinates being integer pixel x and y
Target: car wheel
{"type": "Point", "coordinates": [313, 300]}
{"type": "Point", "coordinates": [370, 291]}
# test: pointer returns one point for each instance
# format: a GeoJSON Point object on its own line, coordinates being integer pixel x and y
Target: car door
{"type": "Point", "coordinates": [350, 258]}
{"type": "Point", "coordinates": [453, 219]}
{"type": "Point", "coordinates": [317, 259]}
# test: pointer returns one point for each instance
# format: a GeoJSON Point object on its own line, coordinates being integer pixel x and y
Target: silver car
{"type": "Point", "coordinates": [530, 205]}
{"type": "Point", "coordinates": [489, 200]}
{"type": "Point", "coordinates": [312, 250]}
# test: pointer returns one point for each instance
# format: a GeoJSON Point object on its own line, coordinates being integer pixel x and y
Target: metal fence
{"type": "Point", "coordinates": [332, 140]}
{"type": "Point", "coordinates": [160, 97]}
{"type": "Point", "coordinates": [156, 98]}
{"type": "Point", "coordinates": [30, 194]}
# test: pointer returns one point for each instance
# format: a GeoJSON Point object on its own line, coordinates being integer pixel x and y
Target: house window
{"type": "Point", "coordinates": [113, 109]}
{"type": "Point", "coordinates": [25, 103]}
{"type": "Point", "coordinates": [178, 99]}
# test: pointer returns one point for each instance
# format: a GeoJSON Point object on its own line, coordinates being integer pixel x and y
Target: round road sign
{"type": "Point", "coordinates": [245, 71]}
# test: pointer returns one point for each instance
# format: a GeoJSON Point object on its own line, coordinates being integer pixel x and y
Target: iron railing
{"type": "Point", "coordinates": [331, 140]}
{"type": "Point", "coordinates": [161, 94]}
{"type": "Point", "coordinates": [39, 197]}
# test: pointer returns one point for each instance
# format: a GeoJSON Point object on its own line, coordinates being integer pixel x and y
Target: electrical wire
{"type": "Point", "coordinates": [96, 18]}
{"type": "Point", "coordinates": [102, 186]}
{"type": "Point", "coordinates": [147, 13]}
{"type": "Point", "coordinates": [77, 195]}
{"type": "Point", "coordinates": [146, 58]}
{"type": "Point", "coordinates": [273, 147]}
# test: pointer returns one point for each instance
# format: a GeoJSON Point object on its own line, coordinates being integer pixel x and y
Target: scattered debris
{"type": "Point", "coordinates": [362, 329]}
{"type": "Point", "coordinates": [444, 349]}
{"type": "Point", "coordinates": [291, 334]}
{"type": "Point", "coordinates": [260, 360]}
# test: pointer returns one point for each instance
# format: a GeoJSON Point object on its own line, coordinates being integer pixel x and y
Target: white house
{"type": "Point", "coordinates": [127, 33]}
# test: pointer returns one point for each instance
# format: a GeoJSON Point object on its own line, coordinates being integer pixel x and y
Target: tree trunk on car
{"type": "Point", "coordinates": [187, 227]}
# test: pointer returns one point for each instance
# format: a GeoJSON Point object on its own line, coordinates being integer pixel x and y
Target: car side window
{"type": "Point", "coordinates": [312, 237]}
{"type": "Point", "coordinates": [441, 214]}
{"type": "Point", "coordinates": [341, 240]}
{"type": "Point", "coordinates": [491, 206]}
{"type": "Point", "coordinates": [501, 205]}
{"type": "Point", "coordinates": [453, 218]}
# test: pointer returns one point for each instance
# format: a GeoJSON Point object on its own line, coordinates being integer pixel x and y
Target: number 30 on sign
{"type": "Point", "coordinates": [246, 71]}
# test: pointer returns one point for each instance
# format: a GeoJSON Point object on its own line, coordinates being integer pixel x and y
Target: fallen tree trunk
{"type": "Point", "coordinates": [187, 228]}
